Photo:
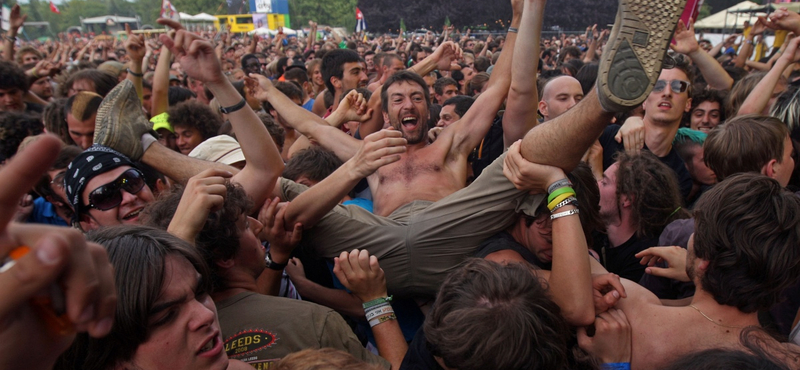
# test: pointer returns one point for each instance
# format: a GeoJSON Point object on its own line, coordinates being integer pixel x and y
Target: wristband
{"type": "Point", "coordinates": [379, 312]}
{"type": "Point", "coordinates": [570, 200]}
{"type": "Point", "coordinates": [559, 191]}
{"type": "Point", "coordinates": [134, 74]}
{"type": "Point", "coordinates": [11, 38]}
{"type": "Point", "coordinates": [616, 366]}
{"type": "Point", "coordinates": [565, 214]}
{"type": "Point", "coordinates": [382, 320]}
{"type": "Point", "coordinates": [552, 205]}
{"type": "Point", "coordinates": [513, 29]}
{"type": "Point", "coordinates": [377, 307]}
{"type": "Point", "coordinates": [376, 302]}
{"type": "Point", "coordinates": [272, 265]}
{"type": "Point", "coordinates": [558, 184]}
{"type": "Point", "coordinates": [233, 108]}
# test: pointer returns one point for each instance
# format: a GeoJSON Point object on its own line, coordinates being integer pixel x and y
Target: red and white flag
{"type": "Point", "coordinates": [361, 23]}
{"type": "Point", "coordinates": [54, 8]}
{"type": "Point", "coordinates": [168, 11]}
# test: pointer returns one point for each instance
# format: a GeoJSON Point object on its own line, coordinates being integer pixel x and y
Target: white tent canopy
{"type": "Point", "coordinates": [186, 16]}
{"type": "Point", "coordinates": [726, 19]}
{"type": "Point", "coordinates": [105, 18]}
{"type": "Point", "coordinates": [204, 17]}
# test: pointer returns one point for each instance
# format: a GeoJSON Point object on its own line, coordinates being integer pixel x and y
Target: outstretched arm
{"type": "Point", "coordinates": [757, 101]}
{"type": "Point", "coordinates": [523, 97]}
{"type": "Point", "coordinates": [712, 71]}
{"type": "Point", "coordinates": [312, 126]}
{"type": "Point", "coordinates": [264, 163]}
{"type": "Point", "coordinates": [16, 19]}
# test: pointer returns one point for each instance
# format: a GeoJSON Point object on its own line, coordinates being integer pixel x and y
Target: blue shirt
{"type": "Point", "coordinates": [44, 212]}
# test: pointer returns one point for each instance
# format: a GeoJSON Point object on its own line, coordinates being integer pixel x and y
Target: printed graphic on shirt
{"type": "Point", "coordinates": [247, 342]}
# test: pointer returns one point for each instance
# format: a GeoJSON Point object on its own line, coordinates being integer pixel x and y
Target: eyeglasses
{"type": "Point", "coordinates": [677, 86]}
{"type": "Point", "coordinates": [109, 196]}
{"type": "Point", "coordinates": [58, 179]}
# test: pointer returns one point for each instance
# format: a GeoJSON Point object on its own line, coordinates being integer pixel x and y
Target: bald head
{"type": "Point", "coordinates": [559, 95]}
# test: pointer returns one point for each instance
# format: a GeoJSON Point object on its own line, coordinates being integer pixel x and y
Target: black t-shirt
{"type": "Point", "coordinates": [489, 149]}
{"type": "Point", "coordinates": [672, 159]}
{"type": "Point", "coordinates": [621, 260]}
{"type": "Point", "coordinates": [418, 356]}
{"type": "Point", "coordinates": [502, 241]}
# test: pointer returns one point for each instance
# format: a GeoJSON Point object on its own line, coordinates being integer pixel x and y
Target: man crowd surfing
{"type": "Point", "coordinates": [617, 199]}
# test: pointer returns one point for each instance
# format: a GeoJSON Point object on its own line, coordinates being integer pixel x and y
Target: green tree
{"type": "Point", "coordinates": [337, 13]}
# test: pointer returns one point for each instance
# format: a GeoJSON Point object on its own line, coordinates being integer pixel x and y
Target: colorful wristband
{"type": "Point", "coordinates": [376, 302]}
{"type": "Point", "coordinates": [616, 366]}
{"type": "Point", "coordinates": [558, 184]}
{"type": "Point", "coordinates": [382, 320]}
{"type": "Point", "coordinates": [559, 191]}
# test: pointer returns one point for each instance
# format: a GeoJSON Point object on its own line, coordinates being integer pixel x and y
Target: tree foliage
{"type": "Point", "coordinates": [341, 13]}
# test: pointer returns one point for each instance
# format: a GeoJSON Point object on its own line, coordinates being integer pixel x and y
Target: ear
{"type": "Point", "coordinates": [688, 105]}
{"type": "Point", "coordinates": [225, 264]}
{"type": "Point", "coordinates": [386, 117]}
{"type": "Point", "coordinates": [88, 223]}
{"type": "Point", "coordinates": [625, 201]}
{"type": "Point", "coordinates": [337, 83]}
{"type": "Point", "coordinates": [543, 108]}
{"type": "Point", "coordinates": [771, 169]}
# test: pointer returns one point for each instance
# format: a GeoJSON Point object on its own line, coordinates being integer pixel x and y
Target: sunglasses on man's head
{"type": "Point", "coordinates": [677, 86]}
{"type": "Point", "coordinates": [109, 196]}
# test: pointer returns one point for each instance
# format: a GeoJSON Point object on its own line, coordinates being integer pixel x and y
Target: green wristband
{"type": "Point", "coordinates": [559, 191]}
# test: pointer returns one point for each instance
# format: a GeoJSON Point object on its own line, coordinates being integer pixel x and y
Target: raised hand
{"type": "Point", "coordinates": [204, 193]}
{"type": "Point", "coordinates": [195, 54]}
{"type": "Point", "coordinates": [134, 45]}
{"type": "Point", "coordinates": [446, 55]}
{"type": "Point", "coordinates": [361, 274]}
{"type": "Point", "coordinates": [631, 135]}
{"type": "Point", "coordinates": [16, 18]}
{"type": "Point", "coordinates": [354, 108]}
{"type": "Point", "coordinates": [685, 41]}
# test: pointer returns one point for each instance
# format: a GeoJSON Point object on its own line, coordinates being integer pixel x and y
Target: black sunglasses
{"type": "Point", "coordinates": [109, 196]}
{"type": "Point", "coordinates": [677, 86]}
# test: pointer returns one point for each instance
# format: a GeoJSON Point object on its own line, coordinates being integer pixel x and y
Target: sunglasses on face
{"type": "Point", "coordinates": [109, 195]}
{"type": "Point", "coordinates": [677, 86]}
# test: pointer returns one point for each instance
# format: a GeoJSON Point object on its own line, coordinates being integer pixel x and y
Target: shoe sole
{"type": "Point", "coordinates": [640, 38]}
{"type": "Point", "coordinates": [116, 121]}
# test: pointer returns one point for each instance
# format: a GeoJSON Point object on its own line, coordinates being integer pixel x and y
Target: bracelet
{"type": "Point", "coordinates": [748, 42]}
{"type": "Point", "coordinates": [233, 108]}
{"type": "Point", "coordinates": [376, 302]}
{"type": "Point", "coordinates": [564, 214]}
{"type": "Point", "coordinates": [552, 205]}
{"type": "Point", "coordinates": [559, 191]}
{"type": "Point", "coordinates": [513, 29]}
{"type": "Point", "coordinates": [134, 74]}
{"type": "Point", "coordinates": [11, 38]}
{"type": "Point", "coordinates": [382, 311]}
{"type": "Point", "coordinates": [375, 308]}
{"type": "Point", "coordinates": [616, 366]}
{"type": "Point", "coordinates": [558, 184]}
{"type": "Point", "coordinates": [382, 320]}
{"type": "Point", "coordinates": [571, 200]}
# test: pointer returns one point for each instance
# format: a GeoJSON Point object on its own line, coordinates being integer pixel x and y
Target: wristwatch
{"type": "Point", "coordinates": [233, 108]}
{"type": "Point", "coordinates": [272, 265]}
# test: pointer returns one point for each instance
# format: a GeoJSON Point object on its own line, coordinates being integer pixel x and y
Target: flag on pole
{"type": "Point", "coordinates": [168, 11]}
{"type": "Point", "coordinates": [54, 8]}
{"type": "Point", "coordinates": [361, 24]}
{"type": "Point", "coordinates": [6, 20]}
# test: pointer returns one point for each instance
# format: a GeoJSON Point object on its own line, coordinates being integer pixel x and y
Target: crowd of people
{"type": "Point", "coordinates": [617, 199]}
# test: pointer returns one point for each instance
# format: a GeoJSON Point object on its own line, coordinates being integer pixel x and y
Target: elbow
{"type": "Point", "coordinates": [580, 316]}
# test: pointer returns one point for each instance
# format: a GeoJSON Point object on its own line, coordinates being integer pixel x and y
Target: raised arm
{"type": "Point", "coordinates": [712, 71]}
{"type": "Point", "coordinates": [758, 99]}
{"type": "Point", "coordinates": [16, 19]}
{"type": "Point", "coordinates": [136, 49]}
{"type": "Point", "coordinates": [312, 126]}
{"type": "Point", "coordinates": [160, 96]}
{"type": "Point", "coordinates": [264, 163]}
{"type": "Point", "coordinates": [748, 45]}
{"type": "Point", "coordinates": [523, 97]}
{"type": "Point", "coordinates": [570, 278]}
{"type": "Point", "coordinates": [473, 126]}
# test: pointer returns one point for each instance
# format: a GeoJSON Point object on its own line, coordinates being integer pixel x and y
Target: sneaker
{"type": "Point", "coordinates": [121, 123]}
{"type": "Point", "coordinates": [632, 59]}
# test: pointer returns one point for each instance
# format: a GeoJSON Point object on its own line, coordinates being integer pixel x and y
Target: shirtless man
{"type": "Point", "coordinates": [431, 222]}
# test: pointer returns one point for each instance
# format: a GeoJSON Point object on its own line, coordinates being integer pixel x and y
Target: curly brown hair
{"type": "Point", "coordinates": [194, 114]}
{"type": "Point", "coordinates": [219, 238]}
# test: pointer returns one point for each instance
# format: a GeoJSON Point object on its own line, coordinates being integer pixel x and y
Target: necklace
{"type": "Point", "coordinates": [712, 320]}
